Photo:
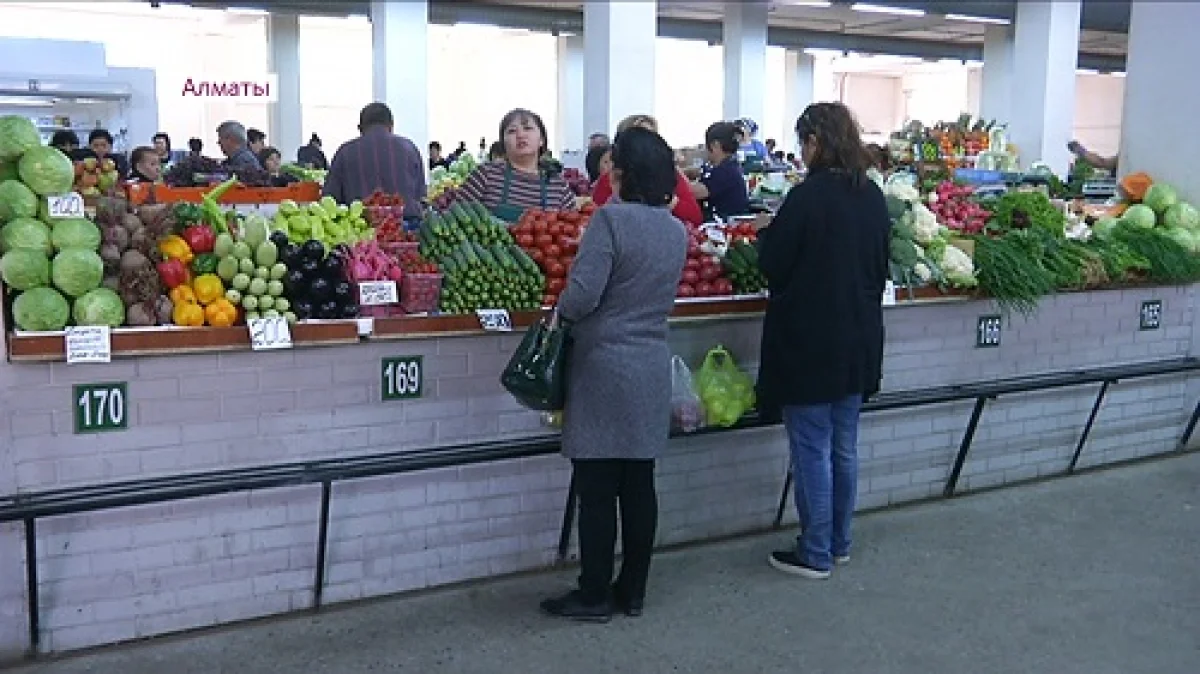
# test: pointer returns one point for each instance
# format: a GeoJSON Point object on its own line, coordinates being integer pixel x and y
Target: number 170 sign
{"type": "Point", "coordinates": [101, 407]}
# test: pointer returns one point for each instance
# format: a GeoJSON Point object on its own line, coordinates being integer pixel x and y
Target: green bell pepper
{"type": "Point", "coordinates": [205, 263]}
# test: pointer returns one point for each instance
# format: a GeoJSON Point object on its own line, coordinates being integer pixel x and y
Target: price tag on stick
{"type": "Point", "coordinates": [494, 320]}
{"type": "Point", "coordinates": [89, 344]}
{"type": "Point", "coordinates": [269, 333]}
{"type": "Point", "coordinates": [889, 294]}
{"type": "Point", "coordinates": [65, 206]}
{"type": "Point", "coordinates": [373, 293]}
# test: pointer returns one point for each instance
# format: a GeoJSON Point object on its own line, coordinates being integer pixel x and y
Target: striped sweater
{"type": "Point", "coordinates": [486, 185]}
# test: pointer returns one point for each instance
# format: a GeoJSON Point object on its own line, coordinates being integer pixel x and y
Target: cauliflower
{"type": "Point", "coordinates": [922, 272]}
{"type": "Point", "coordinates": [958, 267]}
{"type": "Point", "coordinates": [925, 225]}
{"type": "Point", "coordinates": [903, 191]}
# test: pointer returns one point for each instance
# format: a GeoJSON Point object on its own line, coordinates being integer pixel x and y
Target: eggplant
{"type": "Point", "coordinates": [342, 249]}
{"type": "Point", "coordinates": [280, 239]}
{"type": "Point", "coordinates": [329, 309]}
{"type": "Point", "coordinates": [349, 310]}
{"type": "Point", "coordinates": [320, 289]}
{"type": "Point", "coordinates": [343, 292]}
{"type": "Point", "coordinates": [311, 269]}
{"type": "Point", "coordinates": [296, 283]}
{"type": "Point", "coordinates": [289, 254]}
{"type": "Point", "coordinates": [313, 250]}
{"type": "Point", "coordinates": [302, 307]}
{"type": "Point", "coordinates": [333, 268]}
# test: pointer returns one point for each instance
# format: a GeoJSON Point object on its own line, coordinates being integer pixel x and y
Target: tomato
{"type": "Point", "coordinates": [549, 300]}
{"type": "Point", "coordinates": [525, 240]}
{"type": "Point", "coordinates": [555, 269]}
{"type": "Point", "coordinates": [570, 231]}
{"type": "Point", "coordinates": [539, 226]}
{"type": "Point", "coordinates": [685, 290]}
{"type": "Point", "coordinates": [690, 277]}
{"type": "Point", "coordinates": [552, 250]}
{"type": "Point", "coordinates": [692, 263]}
{"type": "Point", "coordinates": [537, 255]}
{"type": "Point", "coordinates": [552, 217]}
{"type": "Point", "coordinates": [704, 289]}
{"type": "Point", "coordinates": [709, 272]}
{"type": "Point", "coordinates": [723, 286]}
{"type": "Point", "coordinates": [543, 240]}
{"type": "Point", "coordinates": [555, 286]}
{"type": "Point", "coordinates": [568, 245]}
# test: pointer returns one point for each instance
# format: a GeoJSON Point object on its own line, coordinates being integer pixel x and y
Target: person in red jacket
{"type": "Point", "coordinates": [684, 206]}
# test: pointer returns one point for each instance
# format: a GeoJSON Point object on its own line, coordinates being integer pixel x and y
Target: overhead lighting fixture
{"type": "Point", "coordinates": [973, 64]}
{"type": "Point", "coordinates": [1086, 71]}
{"type": "Point", "coordinates": [978, 19]}
{"type": "Point", "coordinates": [1118, 73]}
{"type": "Point", "coordinates": [883, 9]}
{"type": "Point", "coordinates": [813, 51]}
{"type": "Point", "coordinates": [815, 4]}
{"type": "Point", "coordinates": [246, 11]}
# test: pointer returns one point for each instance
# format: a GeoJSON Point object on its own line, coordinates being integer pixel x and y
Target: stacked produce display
{"type": "Point", "coordinates": [551, 239]}
{"type": "Point", "coordinates": [444, 182]}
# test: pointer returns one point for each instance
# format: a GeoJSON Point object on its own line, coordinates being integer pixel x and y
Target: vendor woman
{"type": "Point", "coordinates": [683, 206]}
{"type": "Point", "coordinates": [520, 181]}
{"type": "Point", "coordinates": [721, 188]}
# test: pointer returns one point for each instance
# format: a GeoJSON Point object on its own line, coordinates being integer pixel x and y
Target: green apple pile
{"type": "Point", "coordinates": [326, 221]}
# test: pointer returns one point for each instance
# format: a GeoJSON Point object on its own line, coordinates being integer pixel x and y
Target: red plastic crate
{"type": "Point", "coordinates": [398, 248]}
{"type": "Point", "coordinates": [419, 293]}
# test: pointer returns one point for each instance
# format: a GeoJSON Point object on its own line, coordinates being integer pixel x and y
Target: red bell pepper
{"type": "Point", "coordinates": [172, 272]}
{"type": "Point", "coordinates": [200, 238]}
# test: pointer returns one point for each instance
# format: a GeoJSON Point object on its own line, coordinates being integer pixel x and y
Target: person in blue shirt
{"type": "Point", "coordinates": [752, 149]}
{"type": "Point", "coordinates": [721, 189]}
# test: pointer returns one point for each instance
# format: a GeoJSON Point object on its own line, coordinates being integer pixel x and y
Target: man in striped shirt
{"type": "Point", "coordinates": [377, 160]}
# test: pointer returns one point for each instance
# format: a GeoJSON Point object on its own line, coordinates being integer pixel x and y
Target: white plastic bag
{"type": "Point", "coordinates": [687, 413]}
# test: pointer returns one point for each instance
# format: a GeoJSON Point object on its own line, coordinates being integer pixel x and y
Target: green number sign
{"type": "Point", "coordinates": [403, 377]}
{"type": "Point", "coordinates": [987, 332]}
{"type": "Point", "coordinates": [1150, 317]}
{"type": "Point", "coordinates": [101, 407]}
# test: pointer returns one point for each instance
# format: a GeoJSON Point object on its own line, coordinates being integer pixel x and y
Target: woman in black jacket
{"type": "Point", "coordinates": [825, 256]}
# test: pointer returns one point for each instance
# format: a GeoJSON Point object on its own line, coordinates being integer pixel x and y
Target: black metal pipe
{"type": "Point", "coordinates": [322, 544]}
{"type": "Point", "coordinates": [964, 447]}
{"type": "Point", "coordinates": [1191, 427]}
{"type": "Point", "coordinates": [568, 522]}
{"type": "Point", "coordinates": [787, 486]}
{"type": "Point", "coordinates": [1087, 427]}
{"type": "Point", "coordinates": [31, 586]}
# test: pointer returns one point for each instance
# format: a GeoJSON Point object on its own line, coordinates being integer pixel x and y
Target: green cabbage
{"type": "Point", "coordinates": [25, 233]}
{"type": "Point", "coordinates": [76, 271]}
{"type": "Point", "coordinates": [1183, 215]}
{"type": "Point", "coordinates": [1184, 237]}
{"type": "Point", "coordinates": [1160, 197]}
{"type": "Point", "coordinates": [1139, 215]}
{"type": "Point", "coordinates": [18, 135]}
{"type": "Point", "coordinates": [101, 306]}
{"type": "Point", "coordinates": [8, 170]}
{"type": "Point", "coordinates": [16, 201]}
{"type": "Point", "coordinates": [24, 269]}
{"type": "Point", "coordinates": [75, 233]}
{"type": "Point", "coordinates": [41, 309]}
{"type": "Point", "coordinates": [1104, 226]}
{"type": "Point", "coordinates": [46, 171]}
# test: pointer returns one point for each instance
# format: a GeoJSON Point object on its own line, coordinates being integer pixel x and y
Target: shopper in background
{"type": "Point", "coordinates": [311, 155]}
{"type": "Point", "coordinates": [1097, 161]}
{"type": "Point", "coordinates": [256, 140]}
{"type": "Point", "coordinates": [619, 295]}
{"type": "Point", "coordinates": [162, 147]}
{"type": "Point", "coordinates": [272, 163]}
{"type": "Point", "coordinates": [496, 151]}
{"type": "Point", "coordinates": [721, 188]}
{"type": "Point", "coordinates": [378, 159]}
{"type": "Point", "coordinates": [232, 139]}
{"type": "Point", "coordinates": [435, 156]}
{"type": "Point", "coordinates": [598, 140]}
{"type": "Point", "coordinates": [100, 141]}
{"type": "Point", "coordinates": [65, 140]}
{"type": "Point", "coordinates": [752, 150]}
{"type": "Point", "coordinates": [195, 147]}
{"type": "Point", "coordinates": [598, 162]}
{"type": "Point", "coordinates": [458, 152]}
{"type": "Point", "coordinates": [147, 165]}
{"type": "Point", "coordinates": [522, 180]}
{"type": "Point", "coordinates": [684, 205]}
{"type": "Point", "coordinates": [825, 256]}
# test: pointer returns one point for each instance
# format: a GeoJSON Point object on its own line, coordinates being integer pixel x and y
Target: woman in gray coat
{"type": "Point", "coordinates": [618, 405]}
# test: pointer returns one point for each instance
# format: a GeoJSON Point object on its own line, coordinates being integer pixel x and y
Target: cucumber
{"type": "Point", "coordinates": [484, 256]}
{"type": "Point", "coordinates": [750, 253]}
{"type": "Point", "coordinates": [523, 260]}
{"type": "Point", "coordinates": [502, 255]}
{"type": "Point", "coordinates": [481, 212]}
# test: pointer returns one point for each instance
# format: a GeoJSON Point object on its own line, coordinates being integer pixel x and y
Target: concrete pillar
{"type": "Point", "coordinates": [799, 88]}
{"type": "Point", "coordinates": [571, 132]}
{"type": "Point", "coordinates": [745, 45]}
{"type": "Point", "coordinates": [1046, 49]}
{"type": "Point", "coordinates": [400, 64]}
{"type": "Point", "coordinates": [618, 42]}
{"type": "Point", "coordinates": [285, 113]}
{"type": "Point", "coordinates": [1158, 128]}
{"type": "Point", "coordinates": [997, 90]}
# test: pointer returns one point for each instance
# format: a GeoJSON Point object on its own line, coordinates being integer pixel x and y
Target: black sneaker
{"type": "Point", "coordinates": [571, 605]}
{"type": "Point", "coordinates": [788, 561]}
{"type": "Point", "coordinates": [629, 606]}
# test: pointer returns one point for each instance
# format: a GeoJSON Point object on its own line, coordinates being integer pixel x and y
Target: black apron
{"type": "Point", "coordinates": [508, 212]}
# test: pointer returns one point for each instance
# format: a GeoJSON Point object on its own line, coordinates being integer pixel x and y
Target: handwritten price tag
{"type": "Point", "coordinates": [372, 293]}
{"type": "Point", "coordinates": [494, 320]}
{"type": "Point", "coordinates": [89, 344]}
{"type": "Point", "coordinates": [889, 294]}
{"type": "Point", "coordinates": [65, 206]}
{"type": "Point", "coordinates": [269, 333]}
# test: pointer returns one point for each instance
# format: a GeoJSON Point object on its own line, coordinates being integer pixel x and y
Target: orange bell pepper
{"type": "Point", "coordinates": [182, 294]}
{"type": "Point", "coordinates": [188, 314]}
{"type": "Point", "coordinates": [221, 313]}
{"type": "Point", "coordinates": [208, 288]}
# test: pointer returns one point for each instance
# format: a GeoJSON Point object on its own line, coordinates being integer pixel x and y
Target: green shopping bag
{"type": "Point", "coordinates": [726, 392]}
{"type": "Point", "coordinates": [536, 373]}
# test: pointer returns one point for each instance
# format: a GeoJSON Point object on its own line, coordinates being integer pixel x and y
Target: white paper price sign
{"type": "Point", "coordinates": [269, 333]}
{"type": "Point", "coordinates": [89, 344]}
{"type": "Point", "coordinates": [65, 205]}
{"type": "Point", "coordinates": [372, 293]}
{"type": "Point", "coordinates": [496, 320]}
{"type": "Point", "coordinates": [889, 294]}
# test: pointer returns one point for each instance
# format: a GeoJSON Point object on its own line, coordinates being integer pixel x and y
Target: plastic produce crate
{"type": "Point", "coordinates": [399, 248]}
{"type": "Point", "coordinates": [979, 177]}
{"type": "Point", "coordinates": [419, 293]}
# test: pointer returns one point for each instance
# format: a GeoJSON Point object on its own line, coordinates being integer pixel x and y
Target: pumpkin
{"type": "Point", "coordinates": [1134, 186]}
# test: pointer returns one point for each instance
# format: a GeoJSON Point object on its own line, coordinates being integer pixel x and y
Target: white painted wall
{"type": "Point", "coordinates": [1098, 100]}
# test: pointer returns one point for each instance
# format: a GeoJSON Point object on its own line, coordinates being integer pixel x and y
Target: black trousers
{"type": "Point", "coordinates": [600, 485]}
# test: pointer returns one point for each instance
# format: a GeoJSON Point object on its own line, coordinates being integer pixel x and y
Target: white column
{"type": "Point", "coordinates": [799, 87]}
{"type": "Point", "coordinates": [571, 132]}
{"type": "Point", "coordinates": [1158, 128]}
{"type": "Point", "coordinates": [618, 43]}
{"type": "Point", "coordinates": [1046, 51]}
{"type": "Point", "coordinates": [997, 90]}
{"type": "Point", "coordinates": [286, 114]}
{"type": "Point", "coordinates": [400, 64]}
{"type": "Point", "coordinates": [825, 80]}
{"type": "Point", "coordinates": [745, 46]}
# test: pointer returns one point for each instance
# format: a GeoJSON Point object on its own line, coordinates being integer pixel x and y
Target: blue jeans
{"type": "Point", "coordinates": [824, 445]}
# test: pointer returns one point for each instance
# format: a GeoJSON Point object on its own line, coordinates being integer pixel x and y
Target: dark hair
{"type": "Point", "coordinates": [375, 114]}
{"type": "Point", "coordinates": [195, 145]}
{"type": "Point", "coordinates": [647, 166]}
{"type": "Point", "coordinates": [839, 145]}
{"type": "Point", "coordinates": [255, 136]}
{"type": "Point", "coordinates": [592, 161]}
{"type": "Point", "coordinates": [81, 153]}
{"type": "Point", "coordinates": [879, 157]}
{"type": "Point", "coordinates": [266, 154]}
{"type": "Point", "coordinates": [139, 153]}
{"type": "Point", "coordinates": [314, 139]}
{"type": "Point", "coordinates": [100, 133]}
{"type": "Point", "coordinates": [520, 115]}
{"type": "Point", "coordinates": [770, 141]}
{"type": "Point", "coordinates": [724, 134]}
{"type": "Point", "coordinates": [166, 139]}
{"type": "Point", "coordinates": [778, 156]}
{"type": "Point", "coordinates": [496, 150]}
{"type": "Point", "coordinates": [64, 137]}
{"type": "Point", "coordinates": [791, 156]}
{"type": "Point", "coordinates": [434, 145]}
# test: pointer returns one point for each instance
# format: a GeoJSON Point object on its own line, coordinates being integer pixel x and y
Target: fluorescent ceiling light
{"type": "Point", "coordinates": [977, 19]}
{"type": "Point", "coordinates": [246, 11]}
{"type": "Point", "coordinates": [359, 18]}
{"type": "Point", "coordinates": [812, 51]}
{"type": "Point", "coordinates": [973, 64]}
{"type": "Point", "coordinates": [882, 9]}
{"type": "Point", "coordinates": [820, 4]}
{"type": "Point", "coordinates": [1086, 71]}
{"type": "Point", "coordinates": [1118, 73]}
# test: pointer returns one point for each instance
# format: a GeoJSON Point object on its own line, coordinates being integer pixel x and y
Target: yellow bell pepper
{"type": "Point", "coordinates": [188, 314]}
{"type": "Point", "coordinates": [221, 313]}
{"type": "Point", "coordinates": [182, 294]}
{"type": "Point", "coordinates": [208, 288]}
{"type": "Point", "coordinates": [175, 248]}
